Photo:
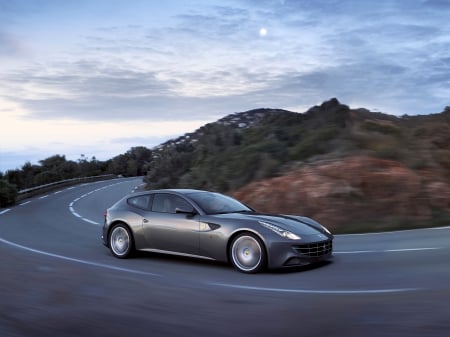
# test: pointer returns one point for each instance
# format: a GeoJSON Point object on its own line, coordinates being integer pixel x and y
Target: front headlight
{"type": "Point", "coordinates": [325, 229]}
{"type": "Point", "coordinates": [280, 231]}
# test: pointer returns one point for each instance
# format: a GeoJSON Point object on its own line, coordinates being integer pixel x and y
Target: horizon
{"type": "Point", "coordinates": [100, 77]}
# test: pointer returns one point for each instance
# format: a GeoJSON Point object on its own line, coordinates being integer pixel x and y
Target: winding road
{"type": "Point", "coordinates": [57, 279]}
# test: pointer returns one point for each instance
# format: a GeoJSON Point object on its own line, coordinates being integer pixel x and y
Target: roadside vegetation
{"type": "Point", "coordinates": [57, 168]}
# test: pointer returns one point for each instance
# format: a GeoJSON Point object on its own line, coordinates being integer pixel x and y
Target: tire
{"type": "Point", "coordinates": [247, 253]}
{"type": "Point", "coordinates": [121, 241]}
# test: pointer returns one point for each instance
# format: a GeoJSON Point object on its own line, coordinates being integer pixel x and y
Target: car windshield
{"type": "Point", "coordinates": [216, 203]}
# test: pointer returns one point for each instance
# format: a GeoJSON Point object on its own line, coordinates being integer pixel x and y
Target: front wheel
{"type": "Point", "coordinates": [247, 253]}
{"type": "Point", "coordinates": [121, 241]}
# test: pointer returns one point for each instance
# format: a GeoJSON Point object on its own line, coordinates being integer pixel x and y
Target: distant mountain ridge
{"type": "Point", "coordinates": [328, 112]}
{"type": "Point", "coordinates": [241, 120]}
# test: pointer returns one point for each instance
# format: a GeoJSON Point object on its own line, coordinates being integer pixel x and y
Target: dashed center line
{"type": "Point", "coordinates": [388, 250]}
{"type": "Point", "coordinates": [4, 211]}
{"type": "Point", "coordinates": [71, 205]}
{"type": "Point", "coordinates": [312, 291]}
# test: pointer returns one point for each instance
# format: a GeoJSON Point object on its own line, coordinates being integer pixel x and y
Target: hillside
{"type": "Point", "coordinates": [349, 168]}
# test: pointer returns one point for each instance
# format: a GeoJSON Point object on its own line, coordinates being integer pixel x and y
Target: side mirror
{"type": "Point", "coordinates": [185, 210]}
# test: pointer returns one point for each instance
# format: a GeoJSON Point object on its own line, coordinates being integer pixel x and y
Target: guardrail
{"type": "Point", "coordinates": [29, 192]}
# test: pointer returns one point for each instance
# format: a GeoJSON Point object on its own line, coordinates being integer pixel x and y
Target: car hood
{"type": "Point", "coordinates": [294, 224]}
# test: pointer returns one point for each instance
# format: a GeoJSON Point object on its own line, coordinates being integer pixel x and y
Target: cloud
{"type": "Point", "coordinates": [87, 92]}
{"type": "Point", "coordinates": [10, 45]}
{"type": "Point", "coordinates": [438, 4]}
{"type": "Point", "coordinates": [210, 60]}
{"type": "Point", "coordinates": [216, 22]}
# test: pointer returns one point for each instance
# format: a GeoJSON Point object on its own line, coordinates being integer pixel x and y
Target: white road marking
{"type": "Point", "coordinates": [90, 263]}
{"type": "Point", "coordinates": [5, 210]}
{"type": "Point", "coordinates": [24, 203]}
{"type": "Point", "coordinates": [388, 250]}
{"type": "Point", "coordinates": [90, 221]}
{"type": "Point", "coordinates": [395, 232]}
{"type": "Point", "coordinates": [311, 291]}
{"type": "Point", "coordinates": [234, 286]}
{"type": "Point", "coordinates": [71, 205]}
{"type": "Point", "coordinates": [44, 196]}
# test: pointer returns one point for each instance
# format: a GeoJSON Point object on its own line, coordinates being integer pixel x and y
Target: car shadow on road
{"type": "Point", "coordinates": [186, 261]}
{"type": "Point", "coordinates": [179, 259]}
{"type": "Point", "coordinates": [298, 269]}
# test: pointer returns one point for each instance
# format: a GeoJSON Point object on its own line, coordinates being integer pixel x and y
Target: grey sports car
{"type": "Point", "coordinates": [213, 226]}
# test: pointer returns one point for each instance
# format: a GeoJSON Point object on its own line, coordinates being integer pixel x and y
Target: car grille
{"type": "Point", "coordinates": [315, 249]}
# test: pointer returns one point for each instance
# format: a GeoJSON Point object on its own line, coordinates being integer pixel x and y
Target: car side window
{"type": "Point", "coordinates": [142, 201]}
{"type": "Point", "coordinates": [167, 203]}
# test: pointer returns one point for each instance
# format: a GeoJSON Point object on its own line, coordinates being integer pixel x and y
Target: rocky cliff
{"type": "Point", "coordinates": [355, 193]}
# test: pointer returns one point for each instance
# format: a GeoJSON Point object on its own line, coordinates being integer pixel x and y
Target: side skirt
{"type": "Point", "coordinates": [176, 253]}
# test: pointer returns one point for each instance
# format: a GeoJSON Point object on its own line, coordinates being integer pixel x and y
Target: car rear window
{"type": "Point", "coordinates": [142, 201]}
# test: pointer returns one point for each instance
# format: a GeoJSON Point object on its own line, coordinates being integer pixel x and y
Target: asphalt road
{"type": "Point", "coordinates": [57, 279]}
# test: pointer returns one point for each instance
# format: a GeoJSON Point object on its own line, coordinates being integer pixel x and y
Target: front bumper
{"type": "Point", "coordinates": [294, 254]}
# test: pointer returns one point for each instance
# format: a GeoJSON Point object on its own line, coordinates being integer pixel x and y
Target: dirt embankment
{"type": "Point", "coordinates": [356, 194]}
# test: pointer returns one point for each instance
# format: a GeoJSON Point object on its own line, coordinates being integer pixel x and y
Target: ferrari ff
{"type": "Point", "coordinates": [213, 226]}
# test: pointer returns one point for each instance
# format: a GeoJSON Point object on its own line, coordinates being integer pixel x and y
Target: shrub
{"type": "Point", "coordinates": [384, 128]}
{"type": "Point", "coordinates": [8, 193]}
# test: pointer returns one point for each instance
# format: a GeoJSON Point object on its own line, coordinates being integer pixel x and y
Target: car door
{"type": "Point", "coordinates": [167, 230]}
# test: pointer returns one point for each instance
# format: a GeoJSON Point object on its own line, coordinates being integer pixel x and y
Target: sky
{"type": "Point", "coordinates": [97, 77]}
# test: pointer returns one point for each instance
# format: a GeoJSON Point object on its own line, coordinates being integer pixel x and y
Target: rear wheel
{"type": "Point", "coordinates": [247, 253]}
{"type": "Point", "coordinates": [121, 241]}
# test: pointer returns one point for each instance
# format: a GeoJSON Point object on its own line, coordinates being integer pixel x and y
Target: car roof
{"type": "Point", "coordinates": [182, 191]}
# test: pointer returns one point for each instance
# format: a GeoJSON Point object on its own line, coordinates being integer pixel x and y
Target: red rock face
{"type": "Point", "coordinates": [352, 190]}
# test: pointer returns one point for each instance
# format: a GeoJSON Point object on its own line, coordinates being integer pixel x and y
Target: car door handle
{"type": "Point", "coordinates": [146, 221]}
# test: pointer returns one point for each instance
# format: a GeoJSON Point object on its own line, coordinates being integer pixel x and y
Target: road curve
{"type": "Point", "coordinates": [57, 277]}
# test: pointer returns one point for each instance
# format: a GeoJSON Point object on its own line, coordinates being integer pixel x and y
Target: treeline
{"type": "Point", "coordinates": [56, 168]}
{"type": "Point", "coordinates": [225, 157]}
